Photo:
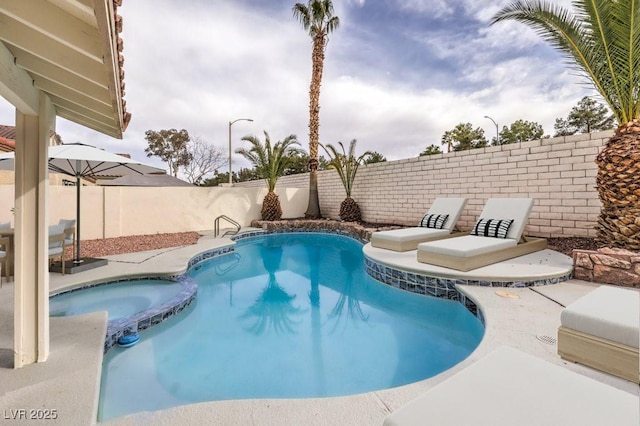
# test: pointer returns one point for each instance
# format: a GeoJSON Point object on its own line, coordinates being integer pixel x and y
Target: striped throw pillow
{"type": "Point", "coordinates": [435, 221]}
{"type": "Point", "coordinates": [496, 228]}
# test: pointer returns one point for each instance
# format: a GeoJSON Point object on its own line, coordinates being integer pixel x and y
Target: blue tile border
{"type": "Point", "coordinates": [443, 287]}
{"type": "Point", "coordinates": [408, 281]}
{"type": "Point", "coordinates": [154, 316]}
{"type": "Point", "coordinates": [300, 230]}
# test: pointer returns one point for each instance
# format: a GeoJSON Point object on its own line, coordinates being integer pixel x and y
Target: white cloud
{"type": "Point", "coordinates": [198, 67]}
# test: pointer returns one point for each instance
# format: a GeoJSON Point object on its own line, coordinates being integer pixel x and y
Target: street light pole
{"type": "Point", "coordinates": [497, 131]}
{"type": "Point", "coordinates": [230, 123]}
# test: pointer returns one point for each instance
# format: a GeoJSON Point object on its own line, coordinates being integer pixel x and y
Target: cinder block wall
{"type": "Point", "coordinates": [559, 173]}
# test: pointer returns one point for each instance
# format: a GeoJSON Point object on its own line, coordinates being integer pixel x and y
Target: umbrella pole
{"type": "Point", "coordinates": [78, 214]}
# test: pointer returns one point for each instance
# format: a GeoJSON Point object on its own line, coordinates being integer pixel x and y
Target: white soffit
{"type": "Point", "coordinates": [69, 49]}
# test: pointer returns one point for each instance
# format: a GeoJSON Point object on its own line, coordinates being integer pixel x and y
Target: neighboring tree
{"type": "Point", "coordinates": [217, 179]}
{"type": "Point", "coordinates": [171, 146]}
{"type": "Point", "coordinates": [519, 131]}
{"type": "Point", "coordinates": [586, 117]}
{"type": "Point", "coordinates": [463, 137]}
{"type": "Point", "coordinates": [270, 162]}
{"type": "Point", "coordinates": [347, 167]}
{"type": "Point", "coordinates": [205, 159]}
{"type": "Point", "coordinates": [375, 157]}
{"type": "Point", "coordinates": [562, 128]}
{"type": "Point", "coordinates": [298, 165]}
{"type": "Point", "coordinates": [245, 175]}
{"type": "Point", "coordinates": [318, 20]}
{"type": "Point", "coordinates": [601, 41]}
{"type": "Point", "coordinates": [431, 150]}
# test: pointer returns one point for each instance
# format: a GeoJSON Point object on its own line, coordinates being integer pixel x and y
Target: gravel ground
{"type": "Point", "coordinates": [131, 244]}
{"type": "Point", "coordinates": [121, 245]}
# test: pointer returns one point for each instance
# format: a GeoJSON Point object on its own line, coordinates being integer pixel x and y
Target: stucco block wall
{"type": "Point", "coordinates": [120, 211]}
{"type": "Point", "coordinates": [558, 173]}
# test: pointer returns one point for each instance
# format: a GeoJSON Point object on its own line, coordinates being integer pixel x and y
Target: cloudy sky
{"type": "Point", "coordinates": [398, 73]}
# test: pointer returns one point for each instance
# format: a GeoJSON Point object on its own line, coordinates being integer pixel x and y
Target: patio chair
{"type": "Point", "coordinates": [4, 252]}
{"type": "Point", "coordinates": [496, 236]}
{"type": "Point", "coordinates": [601, 330]}
{"type": "Point", "coordinates": [4, 258]}
{"type": "Point", "coordinates": [57, 243]}
{"type": "Point", "coordinates": [69, 232]}
{"type": "Point", "coordinates": [510, 387]}
{"type": "Point", "coordinates": [438, 223]}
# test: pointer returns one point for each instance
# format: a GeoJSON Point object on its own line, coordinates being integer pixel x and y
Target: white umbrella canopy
{"type": "Point", "coordinates": [83, 161]}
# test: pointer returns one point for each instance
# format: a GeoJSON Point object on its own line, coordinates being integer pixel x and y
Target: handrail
{"type": "Point", "coordinates": [228, 219]}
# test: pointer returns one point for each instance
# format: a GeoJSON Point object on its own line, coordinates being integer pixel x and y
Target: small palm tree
{"type": "Point", "coordinates": [270, 163]}
{"type": "Point", "coordinates": [602, 41]}
{"type": "Point", "coordinates": [317, 18]}
{"type": "Point", "coordinates": [347, 166]}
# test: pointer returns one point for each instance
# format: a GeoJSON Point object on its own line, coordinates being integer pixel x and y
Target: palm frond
{"type": "Point", "coordinates": [345, 164]}
{"type": "Point", "coordinates": [601, 39]}
{"type": "Point", "coordinates": [270, 161]}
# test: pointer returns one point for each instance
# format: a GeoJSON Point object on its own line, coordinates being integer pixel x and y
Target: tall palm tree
{"type": "Point", "coordinates": [317, 18]}
{"type": "Point", "coordinates": [601, 39]}
{"type": "Point", "coordinates": [270, 163]}
{"type": "Point", "coordinates": [347, 167]}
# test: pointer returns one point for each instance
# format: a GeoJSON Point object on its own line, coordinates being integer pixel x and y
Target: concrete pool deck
{"type": "Point", "coordinates": [69, 381]}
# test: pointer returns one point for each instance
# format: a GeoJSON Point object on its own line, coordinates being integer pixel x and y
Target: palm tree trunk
{"type": "Point", "coordinates": [618, 184]}
{"type": "Point", "coordinates": [317, 59]}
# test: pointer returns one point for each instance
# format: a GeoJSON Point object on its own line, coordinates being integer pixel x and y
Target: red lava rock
{"type": "Point", "coordinates": [134, 243]}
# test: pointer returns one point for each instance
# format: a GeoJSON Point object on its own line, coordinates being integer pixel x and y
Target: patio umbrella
{"type": "Point", "coordinates": [85, 161]}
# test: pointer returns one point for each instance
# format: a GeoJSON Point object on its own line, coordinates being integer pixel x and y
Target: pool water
{"type": "Point", "coordinates": [120, 300]}
{"type": "Point", "coordinates": [287, 316]}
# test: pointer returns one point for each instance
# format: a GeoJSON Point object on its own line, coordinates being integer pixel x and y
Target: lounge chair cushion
{"type": "Point", "coordinates": [467, 245]}
{"type": "Point", "coordinates": [435, 221]}
{"type": "Point", "coordinates": [509, 387]}
{"type": "Point", "coordinates": [608, 313]}
{"type": "Point", "coordinates": [495, 228]}
{"type": "Point", "coordinates": [449, 206]}
{"type": "Point", "coordinates": [517, 209]}
{"type": "Point", "coordinates": [409, 234]}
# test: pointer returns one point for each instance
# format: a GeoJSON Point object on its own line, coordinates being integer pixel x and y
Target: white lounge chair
{"type": "Point", "coordinates": [601, 330]}
{"type": "Point", "coordinates": [438, 223]}
{"type": "Point", "coordinates": [497, 236]}
{"type": "Point", "coordinates": [509, 387]}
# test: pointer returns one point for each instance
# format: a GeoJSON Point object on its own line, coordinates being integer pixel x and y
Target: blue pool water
{"type": "Point", "coordinates": [120, 300]}
{"type": "Point", "coordinates": [287, 316]}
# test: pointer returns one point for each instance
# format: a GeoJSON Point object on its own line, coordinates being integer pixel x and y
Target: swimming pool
{"type": "Point", "coordinates": [121, 300]}
{"type": "Point", "coordinates": [287, 316]}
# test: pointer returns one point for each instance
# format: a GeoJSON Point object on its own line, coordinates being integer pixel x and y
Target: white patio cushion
{"type": "Point", "coordinates": [608, 312]}
{"type": "Point", "coordinates": [407, 234]}
{"type": "Point", "coordinates": [451, 206]}
{"type": "Point", "coordinates": [517, 209]}
{"type": "Point", "coordinates": [466, 246]}
{"type": "Point", "coordinates": [55, 250]}
{"type": "Point", "coordinates": [53, 246]}
{"type": "Point", "coordinates": [509, 387]}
